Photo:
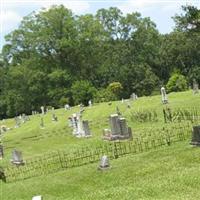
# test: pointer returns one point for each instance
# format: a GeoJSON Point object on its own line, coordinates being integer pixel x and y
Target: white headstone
{"type": "Point", "coordinates": [42, 109]}
{"type": "Point", "coordinates": [37, 197]}
{"type": "Point", "coordinates": [164, 95]}
{"type": "Point", "coordinates": [104, 162]}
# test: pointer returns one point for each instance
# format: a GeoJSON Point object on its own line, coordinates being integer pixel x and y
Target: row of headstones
{"type": "Point", "coordinates": [164, 94]}
{"type": "Point", "coordinates": [119, 128]}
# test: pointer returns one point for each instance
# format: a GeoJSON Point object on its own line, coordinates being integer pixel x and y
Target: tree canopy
{"type": "Point", "coordinates": [55, 56]}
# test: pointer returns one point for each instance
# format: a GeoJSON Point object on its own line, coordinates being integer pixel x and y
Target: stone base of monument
{"type": "Point", "coordinates": [195, 136]}
{"type": "Point", "coordinates": [17, 163]}
{"type": "Point", "coordinates": [116, 137]}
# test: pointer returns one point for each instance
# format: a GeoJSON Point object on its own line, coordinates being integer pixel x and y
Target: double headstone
{"type": "Point", "coordinates": [119, 128]}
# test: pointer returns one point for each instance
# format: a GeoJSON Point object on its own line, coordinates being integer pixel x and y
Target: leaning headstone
{"type": "Point", "coordinates": [164, 95]}
{"type": "Point", "coordinates": [17, 158]}
{"type": "Point", "coordinates": [37, 197]}
{"type": "Point", "coordinates": [195, 136]}
{"type": "Point", "coordinates": [104, 163]}
{"type": "Point", "coordinates": [1, 151]}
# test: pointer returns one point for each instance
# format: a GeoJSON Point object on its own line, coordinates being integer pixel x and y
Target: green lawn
{"type": "Point", "coordinates": [165, 173]}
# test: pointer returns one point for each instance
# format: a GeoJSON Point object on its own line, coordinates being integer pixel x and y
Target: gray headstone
{"type": "Point", "coordinates": [123, 126]}
{"type": "Point", "coordinates": [195, 87]}
{"type": "Point", "coordinates": [104, 162]}
{"type": "Point", "coordinates": [115, 127]}
{"type": "Point", "coordinates": [86, 128]}
{"type": "Point", "coordinates": [1, 151]}
{"type": "Point", "coordinates": [17, 157]}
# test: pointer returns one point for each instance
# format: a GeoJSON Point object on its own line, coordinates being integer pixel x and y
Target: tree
{"type": "Point", "coordinates": [82, 92]}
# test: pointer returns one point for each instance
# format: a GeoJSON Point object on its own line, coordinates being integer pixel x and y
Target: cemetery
{"type": "Point", "coordinates": [99, 100]}
{"type": "Point", "coordinates": [30, 152]}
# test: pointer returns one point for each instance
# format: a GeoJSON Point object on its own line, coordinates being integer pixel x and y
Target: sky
{"type": "Point", "coordinates": [160, 11]}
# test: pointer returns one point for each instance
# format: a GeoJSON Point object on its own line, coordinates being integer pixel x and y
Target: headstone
{"type": "Point", "coordinates": [164, 95]}
{"type": "Point", "coordinates": [17, 122]}
{"type": "Point", "coordinates": [115, 127]}
{"type": "Point", "coordinates": [122, 100]}
{"type": "Point", "coordinates": [1, 151]}
{"type": "Point", "coordinates": [90, 103]}
{"type": "Point", "coordinates": [42, 123]}
{"type": "Point", "coordinates": [67, 107]}
{"type": "Point", "coordinates": [37, 197]}
{"type": "Point", "coordinates": [118, 111]}
{"type": "Point", "coordinates": [196, 136]}
{"type": "Point", "coordinates": [17, 158]}
{"type": "Point", "coordinates": [54, 117]}
{"type": "Point", "coordinates": [195, 87]}
{"type": "Point", "coordinates": [133, 97]}
{"type": "Point", "coordinates": [42, 109]}
{"type": "Point", "coordinates": [104, 163]}
{"type": "Point", "coordinates": [119, 129]}
{"type": "Point", "coordinates": [86, 128]}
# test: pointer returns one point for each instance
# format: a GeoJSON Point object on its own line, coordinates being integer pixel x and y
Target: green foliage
{"type": "Point", "coordinates": [176, 83]}
{"type": "Point", "coordinates": [82, 92]}
{"type": "Point", "coordinates": [53, 48]}
{"type": "Point", "coordinates": [115, 88]}
{"type": "Point", "coordinates": [104, 95]}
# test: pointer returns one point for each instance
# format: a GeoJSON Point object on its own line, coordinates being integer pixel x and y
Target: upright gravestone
{"type": "Point", "coordinates": [164, 95]}
{"type": "Point", "coordinates": [90, 103]}
{"type": "Point", "coordinates": [195, 87]}
{"type": "Point", "coordinates": [54, 117]}
{"type": "Point", "coordinates": [104, 163]}
{"type": "Point", "coordinates": [67, 107]}
{"type": "Point", "coordinates": [17, 122]}
{"type": "Point", "coordinates": [196, 136]}
{"type": "Point", "coordinates": [86, 128]}
{"type": "Point", "coordinates": [17, 158]}
{"type": "Point", "coordinates": [80, 131]}
{"type": "Point", "coordinates": [133, 97]}
{"type": "Point", "coordinates": [42, 109]}
{"type": "Point", "coordinates": [41, 123]}
{"type": "Point", "coordinates": [1, 152]}
{"type": "Point", "coordinates": [115, 127]}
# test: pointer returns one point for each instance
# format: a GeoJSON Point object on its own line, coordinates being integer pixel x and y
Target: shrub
{"type": "Point", "coordinates": [177, 83]}
{"type": "Point", "coordinates": [115, 88]}
{"type": "Point", "coordinates": [104, 95]}
{"type": "Point", "coordinates": [82, 92]}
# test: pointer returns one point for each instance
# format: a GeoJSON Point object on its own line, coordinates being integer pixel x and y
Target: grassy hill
{"type": "Point", "coordinates": [164, 173]}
